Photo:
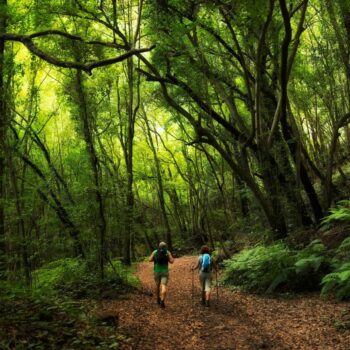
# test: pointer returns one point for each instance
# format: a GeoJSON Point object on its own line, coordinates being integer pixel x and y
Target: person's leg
{"type": "Point", "coordinates": [163, 288]}
{"type": "Point", "coordinates": [207, 290]}
{"type": "Point", "coordinates": [158, 293]}
{"type": "Point", "coordinates": [163, 291]}
{"type": "Point", "coordinates": [202, 283]}
{"type": "Point", "coordinates": [157, 280]}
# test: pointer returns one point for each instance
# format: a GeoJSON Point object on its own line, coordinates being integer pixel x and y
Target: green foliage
{"type": "Point", "coordinates": [342, 323]}
{"type": "Point", "coordinates": [341, 213]}
{"type": "Point", "coordinates": [52, 314]}
{"type": "Point", "coordinates": [310, 258]}
{"type": "Point", "coordinates": [72, 277]}
{"type": "Point", "coordinates": [33, 322]}
{"type": "Point", "coordinates": [338, 281]}
{"type": "Point", "coordinates": [277, 268]}
{"type": "Point", "coordinates": [46, 277]}
{"type": "Point", "coordinates": [255, 269]}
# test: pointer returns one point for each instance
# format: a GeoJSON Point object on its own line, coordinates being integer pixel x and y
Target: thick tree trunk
{"type": "Point", "coordinates": [243, 202]}
{"type": "Point", "coordinates": [332, 149]}
{"type": "Point", "coordinates": [128, 154]}
{"type": "Point", "coordinates": [3, 20]}
{"type": "Point", "coordinates": [304, 176]}
{"type": "Point", "coordinates": [88, 138]}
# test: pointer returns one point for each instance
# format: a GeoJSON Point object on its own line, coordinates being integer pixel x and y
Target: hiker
{"type": "Point", "coordinates": [205, 264]}
{"type": "Point", "coordinates": [161, 257]}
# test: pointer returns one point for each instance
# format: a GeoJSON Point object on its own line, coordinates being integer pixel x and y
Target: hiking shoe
{"type": "Point", "coordinates": [158, 300]}
{"type": "Point", "coordinates": [162, 305]}
{"type": "Point", "coordinates": [207, 304]}
{"type": "Point", "coordinates": [203, 301]}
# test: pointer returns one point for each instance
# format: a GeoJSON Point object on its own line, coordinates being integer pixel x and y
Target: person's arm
{"type": "Point", "coordinates": [171, 258]}
{"type": "Point", "coordinates": [196, 266]}
{"type": "Point", "coordinates": [151, 258]}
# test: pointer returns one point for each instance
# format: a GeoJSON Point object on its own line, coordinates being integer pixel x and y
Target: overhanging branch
{"type": "Point", "coordinates": [27, 41]}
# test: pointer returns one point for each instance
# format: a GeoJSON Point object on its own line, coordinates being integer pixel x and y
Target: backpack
{"type": "Point", "coordinates": [205, 262]}
{"type": "Point", "coordinates": [161, 256]}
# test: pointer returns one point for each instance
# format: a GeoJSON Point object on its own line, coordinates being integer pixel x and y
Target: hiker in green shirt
{"type": "Point", "coordinates": [161, 257]}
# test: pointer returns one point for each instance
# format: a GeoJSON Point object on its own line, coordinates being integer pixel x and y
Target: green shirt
{"type": "Point", "coordinates": [159, 267]}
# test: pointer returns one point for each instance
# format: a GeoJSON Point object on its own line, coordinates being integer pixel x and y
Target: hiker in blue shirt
{"type": "Point", "coordinates": [205, 264]}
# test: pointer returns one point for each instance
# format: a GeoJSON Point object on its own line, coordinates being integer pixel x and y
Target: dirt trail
{"type": "Point", "coordinates": [236, 321]}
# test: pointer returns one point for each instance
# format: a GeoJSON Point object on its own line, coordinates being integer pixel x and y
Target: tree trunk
{"type": "Point", "coordinates": [57, 206]}
{"type": "Point", "coordinates": [3, 25]}
{"type": "Point", "coordinates": [21, 225]}
{"type": "Point", "coordinates": [160, 184]}
{"type": "Point", "coordinates": [332, 149]}
{"type": "Point", "coordinates": [89, 142]}
{"type": "Point", "coordinates": [128, 154]}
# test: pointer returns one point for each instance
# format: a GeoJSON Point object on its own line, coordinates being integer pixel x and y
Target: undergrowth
{"type": "Point", "coordinates": [59, 312]}
{"type": "Point", "coordinates": [31, 322]}
{"type": "Point", "coordinates": [280, 268]}
{"type": "Point", "coordinates": [338, 281]}
{"type": "Point", "coordinates": [277, 268]}
{"type": "Point", "coordinates": [340, 213]}
{"type": "Point", "coordinates": [73, 278]}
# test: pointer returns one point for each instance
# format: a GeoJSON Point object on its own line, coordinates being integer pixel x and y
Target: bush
{"type": "Point", "coordinates": [37, 322]}
{"type": "Point", "coordinates": [46, 277]}
{"type": "Point", "coordinates": [46, 315]}
{"type": "Point", "coordinates": [341, 213]}
{"type": "Point", "coordinates": [254, 269]}
{"type": "Point", "coordinates": [72, 277]}
{"type": "Point", "coordinates": [277, 268]}
{"type": "Point", "coordinates": [338, 281]}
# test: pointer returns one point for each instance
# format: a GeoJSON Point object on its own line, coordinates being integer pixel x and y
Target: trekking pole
{"type": "Point", "coordinates": [192, 285]}
{"type": "Point", "coordinates": [217, 287]}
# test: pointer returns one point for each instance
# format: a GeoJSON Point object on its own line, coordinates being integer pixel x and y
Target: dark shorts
{"type": "Point", "coordinates": [161, 277]}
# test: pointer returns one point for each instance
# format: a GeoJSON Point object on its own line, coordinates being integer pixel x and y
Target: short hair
{"type": "Point", "coordinates": [205, 249]}
{"type": "Point", "coordinates": [162, 245]}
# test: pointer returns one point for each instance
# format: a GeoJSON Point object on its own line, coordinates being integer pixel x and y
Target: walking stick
{"type": "Point", "coordinates": [217, 287]}
{"type": "Point", "coordinates": [192, 285]}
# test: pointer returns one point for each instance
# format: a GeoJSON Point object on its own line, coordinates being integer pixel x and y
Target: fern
{"type": "Point", "coordinates": [338, 282]}
{"type": "Point", "coordinates": [281, 278]}
{"type": "Point", "coordinates": [343, 251]}
{"type": "Point", "coordinates": [254, 269]}
{"type": "Point", "coordinates": [277, 268]}
{"type": "Point", "coordinates": [341, 213]}
{"type": "Point", "coordinates": [311, 258]}
{"type": "Point", "coordinates": [307, 264]}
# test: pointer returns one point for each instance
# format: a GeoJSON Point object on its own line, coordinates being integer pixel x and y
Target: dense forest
{"type": "Point", "coordinates": [124, 123]}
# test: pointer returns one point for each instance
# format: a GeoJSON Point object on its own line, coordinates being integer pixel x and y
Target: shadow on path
{"type": "Point", "coordinates": [235, 321]}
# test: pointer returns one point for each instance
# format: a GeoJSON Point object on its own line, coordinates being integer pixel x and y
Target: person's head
{"type": "Point", "coordinates": [162, 245]}
{"type": "Point", "coordinates": [205, 249]}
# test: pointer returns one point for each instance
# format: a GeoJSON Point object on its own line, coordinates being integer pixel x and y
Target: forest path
{"type": "Point", "coordinates": [235, 321]}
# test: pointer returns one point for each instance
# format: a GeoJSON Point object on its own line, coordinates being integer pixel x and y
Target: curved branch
{"type": "Point", "coordinates": [55, 32]}
{"type": "Point", "coordinates": [31, 46]}
{"type": "Point", "coordinates": [287, 63]}
{"type": "Point", "coordinates": [256, 115]}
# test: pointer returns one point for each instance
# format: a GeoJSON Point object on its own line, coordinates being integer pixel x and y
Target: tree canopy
{"type": "Point", "coordinates": [123, 123]}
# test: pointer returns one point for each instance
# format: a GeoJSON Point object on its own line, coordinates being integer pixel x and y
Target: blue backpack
{"type": "Point", "coordinates": [205, 262]}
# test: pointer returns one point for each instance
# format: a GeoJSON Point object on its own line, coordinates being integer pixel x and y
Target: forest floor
{"type": "Point", "coordinates": [234, 321]}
